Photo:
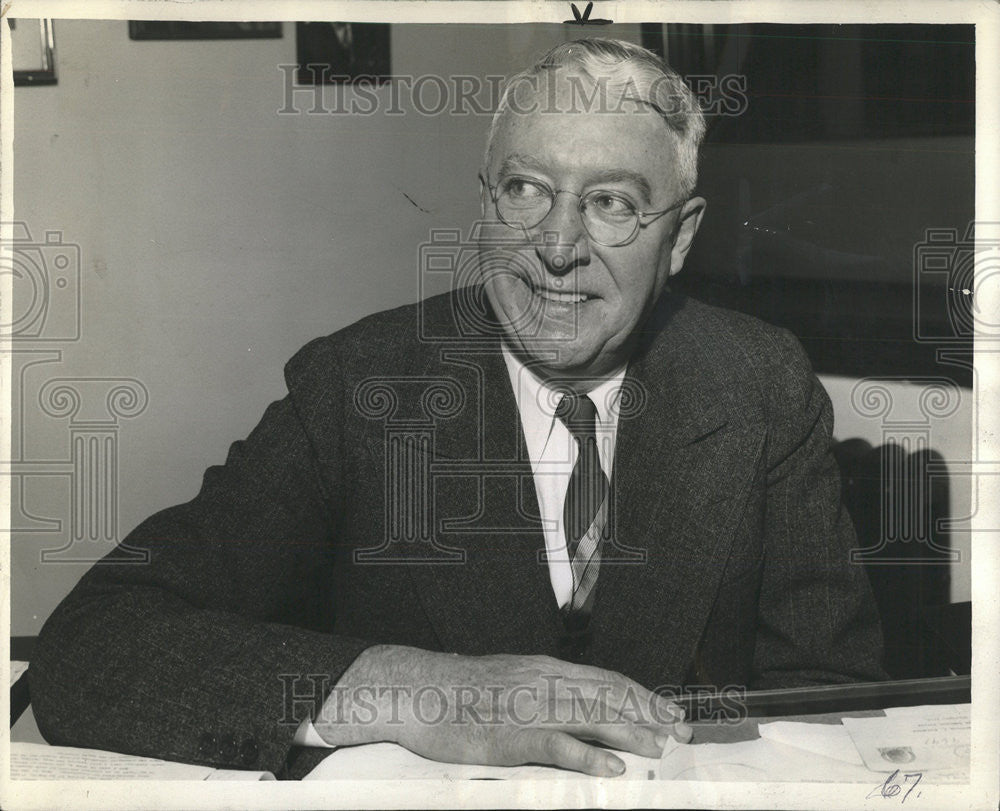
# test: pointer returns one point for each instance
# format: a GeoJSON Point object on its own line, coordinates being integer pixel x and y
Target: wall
{"type": "Point", "coordinates": [216, 237]}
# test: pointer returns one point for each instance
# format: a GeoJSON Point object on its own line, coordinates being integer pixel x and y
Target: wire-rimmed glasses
{"type": "Point", "coordinates": [611, 218]}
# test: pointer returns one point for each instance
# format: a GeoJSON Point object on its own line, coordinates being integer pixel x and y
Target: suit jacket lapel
{"type": "Point", "coordinates": [683, 463]}
{"type": "Point", "coordinates": [499, 597]}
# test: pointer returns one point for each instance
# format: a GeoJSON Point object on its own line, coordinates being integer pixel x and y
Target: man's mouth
{"type": "Point", "coordinates": [559, 296]}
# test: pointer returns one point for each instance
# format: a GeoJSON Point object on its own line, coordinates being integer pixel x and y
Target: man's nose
{"type": "Point", "coordinates": [561, 238]}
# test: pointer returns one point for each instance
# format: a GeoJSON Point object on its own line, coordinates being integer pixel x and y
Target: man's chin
{"type": "Point", "coordinates": [554, 356]}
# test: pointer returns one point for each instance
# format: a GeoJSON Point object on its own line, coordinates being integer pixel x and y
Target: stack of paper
{"type": "Point", "coordinates": [786, 751]}
{"type": "Point", "coordinates": [934, 740]}
{"type": "Point", "coordinates": [37, 761]}
{"type": "Point", "coordinates": [861, 750]}
{"type": "Point", "coordinates": [929, 743]}
{"type": "Point", "coordinates": [17, 670]}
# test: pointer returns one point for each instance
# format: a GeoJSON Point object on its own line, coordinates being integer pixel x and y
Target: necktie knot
{"type": "Point", "coordinates": [579, 414]}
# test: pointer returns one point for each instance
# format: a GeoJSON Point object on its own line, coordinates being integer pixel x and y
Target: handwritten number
{"type": "Point", "coordinates": [918, 775]}
{"type": "Point", "coordinates": [889, 788]}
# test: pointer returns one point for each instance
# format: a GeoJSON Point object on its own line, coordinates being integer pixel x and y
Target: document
{"type": "Point", "coordinates": [829, 740]}
{"type": "Point", "coordinates": [787, 751]}
{"type": "Point", "coordinates": [17, 670]}
{"type": "Point", "coordinates": [914, 739]}
{"type": "Point", "coordinates": [929, 743]}
{"type": "Point", "coordinates": [38, 761]}
{"type": "Point", "coordinates": [761, 760]}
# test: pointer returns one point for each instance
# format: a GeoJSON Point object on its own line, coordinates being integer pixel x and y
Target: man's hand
{"type": "Point", "coordinates": [497, 710]}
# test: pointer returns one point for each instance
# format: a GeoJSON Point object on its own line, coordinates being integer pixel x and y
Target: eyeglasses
{"type": "Point", "coordinates": [610, 217]}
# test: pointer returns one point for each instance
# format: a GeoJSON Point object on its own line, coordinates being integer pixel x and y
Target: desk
{"type": "Point", "coordinates": [827, 704]}
{"type": "Point", "coordinates": [711, 714]}
{"type": "Point", "coordinates": [838, 698]}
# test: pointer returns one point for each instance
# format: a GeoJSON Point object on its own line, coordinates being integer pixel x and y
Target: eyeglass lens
{"type": "Point", "coordinates": [610, 218]}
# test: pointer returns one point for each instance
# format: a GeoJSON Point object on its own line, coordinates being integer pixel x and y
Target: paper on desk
{"type": "Point", "coordinates": [950, 711]}
{"type": "Point", "coordinates": [17, 670]}
{"type": "Point", "coordinates": [828, 740]}
{"type": "Point", "coordinates": [938, 738]}
{"type": "Point", "coordinates": [38, 761]}
{"type": "Point", "coordinates": [389, 761]}
{"type": "Point", "coordinates": [763, 760]}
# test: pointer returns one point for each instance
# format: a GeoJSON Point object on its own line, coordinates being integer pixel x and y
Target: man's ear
{"type": "Point", "coordinates": [688, 222]}
{"type": "Point", "coordinates": [483, 194]}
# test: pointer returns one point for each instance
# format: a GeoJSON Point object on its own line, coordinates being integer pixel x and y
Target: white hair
{"type": "Point", "coordinates": [623, 72]}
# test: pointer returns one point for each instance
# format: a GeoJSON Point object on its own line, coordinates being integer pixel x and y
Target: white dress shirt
{"type": "Point", "coordinates": [552, 452]}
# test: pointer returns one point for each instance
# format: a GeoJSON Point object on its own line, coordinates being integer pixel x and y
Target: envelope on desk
{"type": "Point", "coordinates": [918, 740]}
{"type": "Point", "coordinates": [932, 739]}
{"type": "Point", "coordinates": [824, 754]}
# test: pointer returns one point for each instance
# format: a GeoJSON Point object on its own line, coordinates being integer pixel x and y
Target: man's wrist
{"type": "Point", "coordinates": [353, 711]}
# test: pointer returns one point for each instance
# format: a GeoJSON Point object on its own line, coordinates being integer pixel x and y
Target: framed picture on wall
{"type": "Point", "coordinates": [185, 29]}
{"type": "Point", "coordinates": [342, 53]}
{"type": "Point", "coordinates": [33, 47]}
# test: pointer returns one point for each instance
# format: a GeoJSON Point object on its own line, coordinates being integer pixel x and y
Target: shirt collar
{"type": "Point", "coordinates": [537, 401]}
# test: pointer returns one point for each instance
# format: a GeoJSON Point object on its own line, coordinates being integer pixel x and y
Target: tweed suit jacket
{"type": "Point", "coordinates": [728, 563]}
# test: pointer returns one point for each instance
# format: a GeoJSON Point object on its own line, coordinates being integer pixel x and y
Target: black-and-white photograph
{"type": "Point", "coordinates": [500, 412]}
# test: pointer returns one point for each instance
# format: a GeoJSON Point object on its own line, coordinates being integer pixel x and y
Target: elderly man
{"type": "Point", "coordinates": [500, 525]}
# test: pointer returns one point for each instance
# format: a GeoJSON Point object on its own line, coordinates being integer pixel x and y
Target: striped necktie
{"type": "Point", "coordinates": [585, 510]}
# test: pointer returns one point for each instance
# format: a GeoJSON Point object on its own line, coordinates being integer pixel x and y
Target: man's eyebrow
{"type": "Point", "coordinates": [520, 161]}
{"type": "Point", "coordinates": [626, 176]}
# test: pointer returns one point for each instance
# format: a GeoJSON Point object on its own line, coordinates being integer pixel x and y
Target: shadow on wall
{"type": "Point", "coordinates": [899, 503]}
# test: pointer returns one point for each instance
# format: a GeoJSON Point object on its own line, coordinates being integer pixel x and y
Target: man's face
{"type": "Point", "coordinates": [631, 153]}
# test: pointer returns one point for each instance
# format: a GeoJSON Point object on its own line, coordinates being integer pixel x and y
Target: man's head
{"type": "Point", "coordinates": [589, 171]}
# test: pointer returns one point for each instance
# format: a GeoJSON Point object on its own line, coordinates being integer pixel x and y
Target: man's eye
{"type": "Point", "coordinates": [523, 189]}
{"type": "Point", "coordinates": [611, 204]}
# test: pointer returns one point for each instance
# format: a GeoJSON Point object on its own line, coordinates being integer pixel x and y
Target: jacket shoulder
{"type": "Point", "coordinates": [386, 342]}
{"type": "Point", "coordinates": [741, 344]}
{"type": "Point", "coordinates": [757, 368]}
{"type": "Point", "coordinates": [722, 326]}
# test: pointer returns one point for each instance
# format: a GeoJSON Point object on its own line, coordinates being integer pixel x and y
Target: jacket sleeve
{"type": "Point", "coordinates": [817, 620]}
{"type": "Point", "coordinates": [214, 649]}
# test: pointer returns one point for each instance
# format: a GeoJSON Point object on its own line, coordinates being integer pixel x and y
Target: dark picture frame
{"type": "Point", "coordinates": [45, 72]}
{"type": "Point", "coordinates": [187, 29]}
{"type": "Point", "coordinates": [342, 53]}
